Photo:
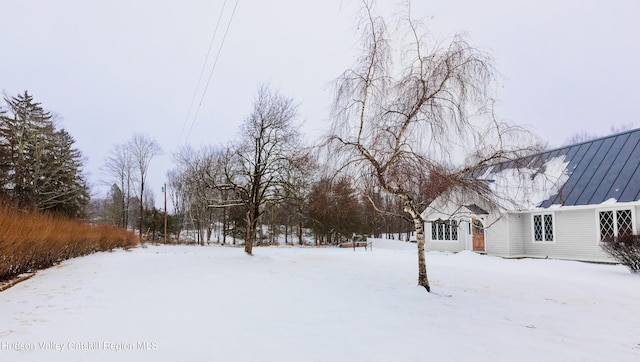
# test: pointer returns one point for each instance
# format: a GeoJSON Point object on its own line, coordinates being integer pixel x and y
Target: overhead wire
{"type": "Point", "coordinates": [206, 87]}
{"type": "Point", "coordinates": [204, 64]}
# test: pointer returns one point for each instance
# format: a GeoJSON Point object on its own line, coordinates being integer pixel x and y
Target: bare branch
{"type": "Point", "coordinates": [419, 118]}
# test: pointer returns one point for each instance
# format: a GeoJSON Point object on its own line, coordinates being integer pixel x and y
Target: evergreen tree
{"type": "Point", "coordinates": [39, 168]}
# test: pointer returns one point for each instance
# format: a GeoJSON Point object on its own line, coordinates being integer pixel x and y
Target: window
{"type": "Point", "coordinates": [543, 228]}
{"type": "Point", "coordinates": [478, 228]}
{"type": "Point", "coordinates": [614, 223]}
{"type": "Point", "coordinates": [446, 230]}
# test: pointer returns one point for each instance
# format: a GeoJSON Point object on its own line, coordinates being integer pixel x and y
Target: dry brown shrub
{"type": "Point", "coordinates": [35, 241]}
{"type": "Point", "coordinates": [625, 249]}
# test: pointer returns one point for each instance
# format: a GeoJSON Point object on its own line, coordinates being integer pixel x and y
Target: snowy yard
{"type": "Point", "coordinates": [188, 303]}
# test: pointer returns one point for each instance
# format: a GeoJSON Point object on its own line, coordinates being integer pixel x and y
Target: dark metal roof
{"type": "Point", "coordinates": [599, 170]}
{"type": "Point", "coordinates": [475, 209]}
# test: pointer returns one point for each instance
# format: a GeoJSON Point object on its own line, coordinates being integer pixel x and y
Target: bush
{"type": "Point", "coordinates": [34, 241]}
{"type": "Point", "coordinates": [626, 250]}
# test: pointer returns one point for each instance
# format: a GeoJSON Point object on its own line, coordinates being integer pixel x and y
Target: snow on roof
{"type": "Point", "coordinates": [525, 188]}
{"type": "Point", "coordinates": [598, 171]}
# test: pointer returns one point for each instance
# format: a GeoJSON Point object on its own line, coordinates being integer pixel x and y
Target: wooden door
{"type": "Point", "coordinates": [477, 234]}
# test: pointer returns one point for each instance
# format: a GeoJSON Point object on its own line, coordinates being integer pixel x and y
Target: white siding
{"type": "Point", "coordinates": [511, 235]}
{"type": "Point", "coordinates": [576, 237]}
{"type": "Point", "coordinates": [448, 245]}
{"type": "Point", "coordinates": [496, 235]}
{"type": "Point", "coordinates": [517, 230]}
{"type": "Point", "coordinates": [637, 219]}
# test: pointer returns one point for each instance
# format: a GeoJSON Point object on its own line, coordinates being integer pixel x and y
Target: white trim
{"type": "Point", "coordinates": [554, 208]}
{"type": "Point", "coordinates": [450, 240]}
{"type": "Point", "coordinates": [468, 241]}
{"type": "Point", "coordinates": [553, 226]}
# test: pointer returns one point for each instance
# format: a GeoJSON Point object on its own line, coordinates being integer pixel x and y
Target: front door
{"type": "Point", "coordinates": [477, 234]}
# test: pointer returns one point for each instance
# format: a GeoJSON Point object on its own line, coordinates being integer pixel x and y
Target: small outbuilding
{"type": "Point", "coordinates": [558, 204]}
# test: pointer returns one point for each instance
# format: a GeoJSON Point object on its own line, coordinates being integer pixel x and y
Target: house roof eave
{"type": "Point", "coordinates": [603, 205]}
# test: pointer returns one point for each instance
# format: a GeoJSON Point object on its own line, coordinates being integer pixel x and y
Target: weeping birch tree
{"type": "Point", "coordinates": [414, 116]}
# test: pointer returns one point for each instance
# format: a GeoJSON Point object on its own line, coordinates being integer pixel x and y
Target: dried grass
{"type": "Point", "coordinates": [35, 241]}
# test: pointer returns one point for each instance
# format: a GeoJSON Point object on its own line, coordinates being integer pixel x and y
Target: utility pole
{"type": "Point", "coordinates": [164, 190]}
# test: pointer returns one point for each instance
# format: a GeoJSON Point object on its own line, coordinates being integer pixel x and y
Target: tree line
{"type": "Point", "coordinates": [267, 184]}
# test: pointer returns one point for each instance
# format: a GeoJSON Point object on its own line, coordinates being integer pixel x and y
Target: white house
{"type": "Point", "coordinates": [558, 204]}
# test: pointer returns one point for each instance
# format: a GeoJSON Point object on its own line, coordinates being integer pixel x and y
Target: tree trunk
{"type": "Point", "coordinates": [252, 223]}
{"type": "Point", "coordinates": [286, 234]}
{"type": "Point", "coordinates": [422, 264]}
{"type": "Point", "coordinates": [235, 232]}
{"type": "Point", "coordinates": [225, 226]}
{"type": "Point", "coordinates": [248, 242]}
{"type": "Point", "coordinates": [418, 225]}
{"type": "Point", "coordinates": [141, 209]}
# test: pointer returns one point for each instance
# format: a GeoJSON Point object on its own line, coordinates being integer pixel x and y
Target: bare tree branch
{"type": "Point", "coordinates": [416, 118]}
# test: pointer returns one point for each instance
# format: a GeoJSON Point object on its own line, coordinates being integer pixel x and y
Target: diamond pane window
{"type": "Point", "coordinates": [444, 230]}
{"type": "Point", "coordinates": [537, 227]}
{"type": "Point", "coordinates": [624, 222]}
{"type": "Point", "coordinates": [607, 228]}
{"type": "Point", "coordinates": [543, 228]}
{"type": "Point", "coordinates": [615, 223]}
{"type": "Point", "coordinates": [548, 227]}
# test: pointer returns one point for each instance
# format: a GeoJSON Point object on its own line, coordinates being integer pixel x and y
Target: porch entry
{"type": "Point", "coordinates": [477, 234]}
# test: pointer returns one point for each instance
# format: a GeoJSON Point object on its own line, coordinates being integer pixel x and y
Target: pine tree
{"type": "Point", "coordinates": [39, 168]}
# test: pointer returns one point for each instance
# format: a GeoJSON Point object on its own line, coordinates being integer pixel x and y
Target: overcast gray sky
{"type": "Point", "coordinates": [111, 68]}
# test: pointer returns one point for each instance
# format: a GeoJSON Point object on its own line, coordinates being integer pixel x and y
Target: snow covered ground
{"type": "Point", "coordinates": [189, 303]}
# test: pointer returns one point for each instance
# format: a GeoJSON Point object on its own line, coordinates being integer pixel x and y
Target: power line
{"type": "Point", "coordinates": [206, 87]}
{"type": "Point", "coordinates": [204, 64]}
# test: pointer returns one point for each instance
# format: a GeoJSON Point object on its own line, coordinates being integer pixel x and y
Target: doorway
{"type": "Point", "coordinates": [477, 235]}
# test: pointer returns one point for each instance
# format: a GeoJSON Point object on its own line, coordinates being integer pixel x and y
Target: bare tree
{"type": "Point", "coordinates": [584, 136]}
{"type": "Point", "coordinates": [579, 137]}
{"type": "Point", "coordinates": [335, 208]}
{"type": "Point", "coordinates": [119, 166]}
{"type": "Point", "coordinates": [193, 179]}
{"type": "Point", "coordinates": [179, 198]}
{"type": "Point", "coordinates": [296, 193]}
{"type": "Point", "coordinates": [143, 149]}
{"type": "Point", "coordinates": [257, 169]}
{"type": "Point", "coordinates": [417, 119]}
